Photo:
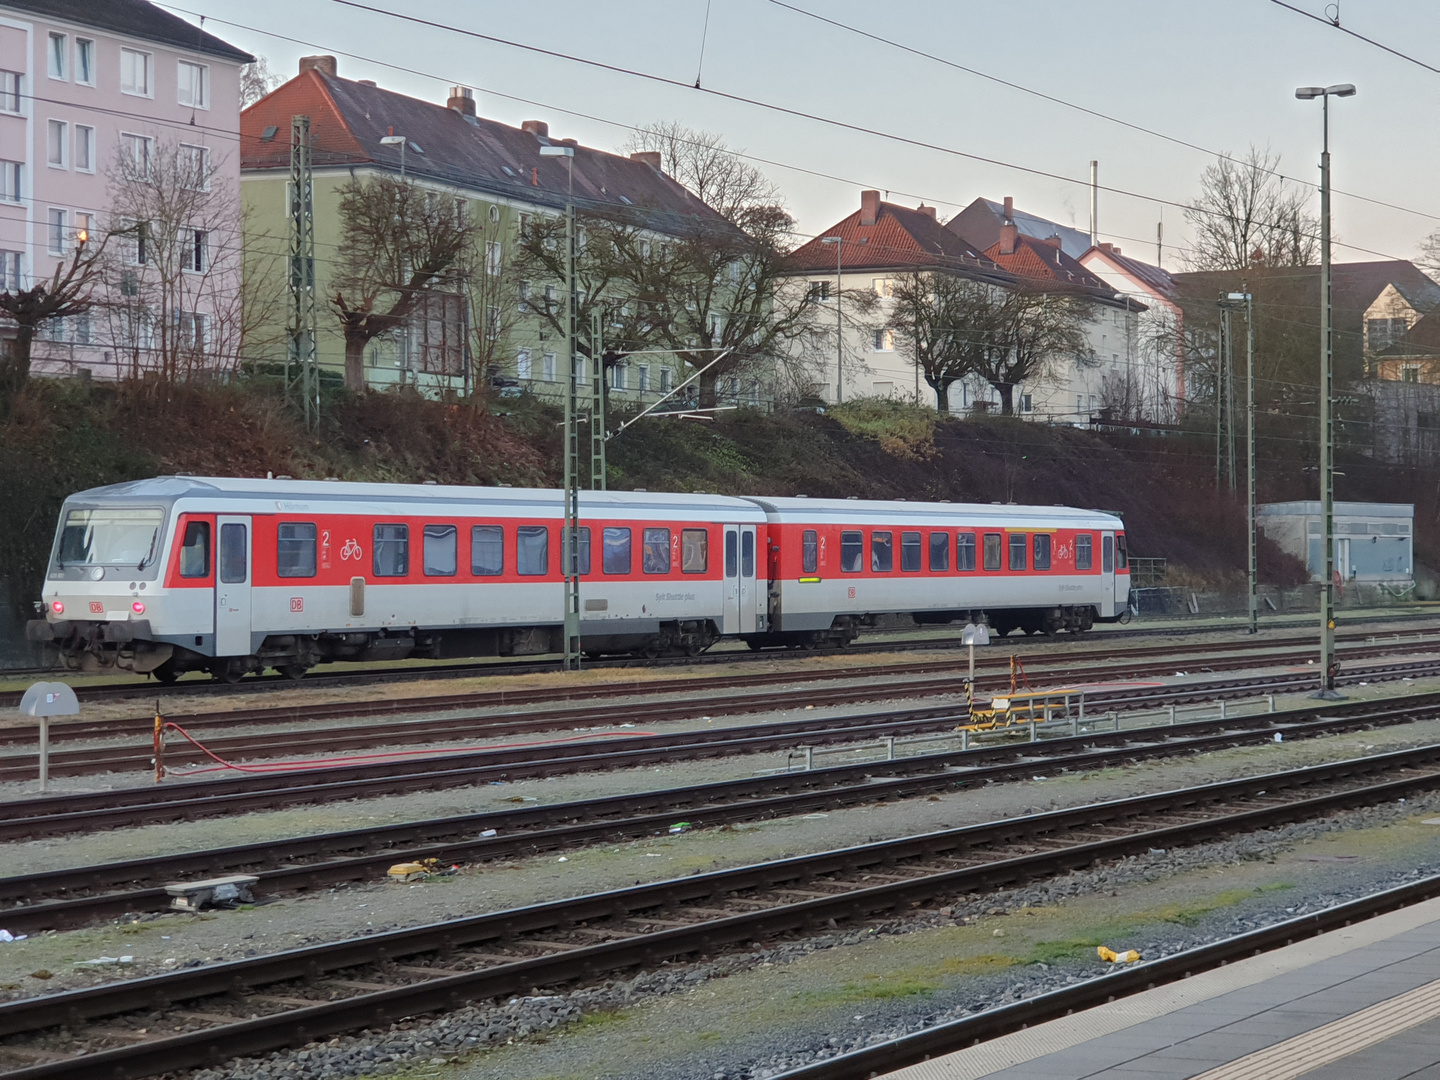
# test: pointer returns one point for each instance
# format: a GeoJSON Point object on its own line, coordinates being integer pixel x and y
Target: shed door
{"type": "Point", "coordinates": [232, 587]}
{"type": "Point", "coordinates": [731, 611]}
{"type": "Point", "coordinates": [749, 590]}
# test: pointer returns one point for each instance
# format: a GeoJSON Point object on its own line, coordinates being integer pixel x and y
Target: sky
{"type": "Point", "coordinates": [1219, 75]}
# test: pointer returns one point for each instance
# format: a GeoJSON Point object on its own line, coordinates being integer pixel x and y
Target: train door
{"type": "Point", "coordinates": [1107, 572]}
{"type": "Point", "coordinates": [1122, 574]}
{"type": "Point", "coordinates": [749, 591]}
{"type": "Point", "coordinates": [232, 587]}
{"type": "Point", "coordinates": [731, 611]}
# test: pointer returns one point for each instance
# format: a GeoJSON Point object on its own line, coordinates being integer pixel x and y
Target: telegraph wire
{"type": "Point", "coordinates": [1335, 24]}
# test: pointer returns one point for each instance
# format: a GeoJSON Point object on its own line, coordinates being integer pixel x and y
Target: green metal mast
{"type": "Point", "coordinates": [304, 314]}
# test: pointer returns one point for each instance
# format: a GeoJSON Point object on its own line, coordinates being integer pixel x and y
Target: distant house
{"type": "Point", "coordinates": [1391, 317]}
{"type": "Point", "coordinates": [86, 87]}
{"type": "Point", "coordinates": [1160, 369]}
{"type": "Point", "coordinates": [1373, 542]}
{"type": "Point", "coordinates": [498, 175]}
{"type": "Point", "coordinates": [980, 223]}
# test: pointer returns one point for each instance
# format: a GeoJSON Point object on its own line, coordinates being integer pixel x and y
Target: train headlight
{"type": "Point", "coordinates": [138, 608]}
{"type": "Point", "coordinates": [57, 607]}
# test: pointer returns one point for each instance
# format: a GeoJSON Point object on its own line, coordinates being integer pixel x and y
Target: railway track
{"type": "Point", "coordinates": [82, 895]}
{"type": "Point", "coordinates": [207, 1015]}
{"type": "Point", "coordinates": [884, 1058]}
{"type": "Point", "coordinates": [57, 815]}
{"type": "Point", "coordinates": [148, 688]}
{"type": "Point", "coordinates": [138, 755]}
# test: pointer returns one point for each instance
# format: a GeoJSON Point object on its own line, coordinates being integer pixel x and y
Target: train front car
{"type": "Point", "coordinates": [104, 599]}
{"type": "Point", "coordinates": [838, 565]}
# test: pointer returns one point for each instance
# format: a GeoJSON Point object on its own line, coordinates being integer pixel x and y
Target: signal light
{"type": "Point", "coordinates": [138, 608]}
{"type": "Point", "coordinates": [57, 607]}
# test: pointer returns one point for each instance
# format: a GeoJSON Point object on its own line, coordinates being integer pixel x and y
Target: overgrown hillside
{"type": "Point", "coordinates": [65, 436]}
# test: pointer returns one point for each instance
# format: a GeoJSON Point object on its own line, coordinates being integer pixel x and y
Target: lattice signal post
{"type": "Point", "coordinates": [304, 313]}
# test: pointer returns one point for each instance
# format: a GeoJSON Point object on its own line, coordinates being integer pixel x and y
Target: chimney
{"type": "Point", "coordinates": [323, 64]}
{"type": "Point", "coordinates": [928, 211]}
{"type": "Point", "coordinates": [1108, 247]}
{"type": "Point", "coordinates": [462, 100]}
{"type": "Point", "coordinates": [869, 207]}
{"type": "Point", "coordinates": [649, 157]}
{"type": "Point", "coordinates": [539, 128]}
{"type": "Point", "coordinates": [1008, 237]}
{"type": "Point", "coordinates": [367, 82]}
{"type": "Point", "coordinates": [1053, 241]}
{"type": "Point", "coordinates": [1009, 208]}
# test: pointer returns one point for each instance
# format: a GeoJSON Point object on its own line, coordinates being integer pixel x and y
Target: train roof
{"type": "Point", "coordinates": [167, 490]}
{"type": "Point", "coordinates": [799, 508]}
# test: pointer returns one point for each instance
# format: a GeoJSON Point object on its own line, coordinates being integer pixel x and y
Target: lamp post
{"type": "Point", "coordinates": [396, 140]}
{"type": "Point", "coordinates": [570, 546]}
{"type": "Point", "coordinates": [1327, 386]}
{"type": "Point", "coordinates": [1228, 303]}
{"type": "Point", "coordinates": [839, 242]}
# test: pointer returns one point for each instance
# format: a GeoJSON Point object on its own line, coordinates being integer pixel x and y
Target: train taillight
{"type": "Point", "coordinates": [57, 607]}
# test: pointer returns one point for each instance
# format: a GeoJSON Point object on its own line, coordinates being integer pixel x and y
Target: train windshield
{"type": "Point", "coordinates": [112, 536]}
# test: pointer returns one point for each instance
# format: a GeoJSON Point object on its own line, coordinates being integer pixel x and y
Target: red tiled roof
{"type": "Point", "coordinates": [1037, 260]}
{"type": "Point", "coordinates": [900, 237]}
{"type": "Point", "coordinates": [348, 119]}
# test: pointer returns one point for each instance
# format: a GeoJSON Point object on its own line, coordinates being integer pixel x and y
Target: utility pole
{"type": "Point", "coordinates": [570, 534]}
{"type": "Point", "coordinates": [1229, 303]}
{"type": "Point", "coordinates": [304, 316]}
{"type": "Point", "coordinates": [1221, 346]}
{"type": "Point", "coordinates": [839, 242]}
{"type": "Point", "coordinates": [1094, 203]}
{"type": "Point", "coordinates": [1327, 390]}
{"type": "Point", "coordinates": [597, 405]}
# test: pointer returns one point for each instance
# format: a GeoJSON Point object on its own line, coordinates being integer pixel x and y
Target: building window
{"type": "Point", "coordinates": [522, 364]}
{"type": "Point", "coordinates": [1410, 373]}
{"type": "Point", "coordinates": [9, 91]}
{"type": "Point", "coordinates": [664, 380]}
{"type": "Point", "coordinates": [194, 162]}
{"type": "Point", "coordinates": [84, 148]}
{"type": "Point", "coordinates": [884, 340]}
{"type": "Point", "coordinates": [195, 250]}
{"type": "Point", "coordinates": [135, 68]}
{"type": "Point", "coordinates": [10, 264]}
{"type": "Point", "coordinates": [10, 181]}
{"type": "Point", "coordinates": [819, 292]}
{"type": "Point", "coordinates": [136, 150]}
{"type": "Point", "coordinates": [1027, 403]}
{"type": "Point", "coordinates": [57, 222]}
{"type": "Point", "coordinates": [492, 258]}
{"type": "Point", "coordinates": [295, 549]}
{"type": "Point", "coordinates": [85, 61]}
{"type": "Point", "coordinates": [885, 288]}
{"type": "Point", "coordinates": [643, 376]}
{"type": "Point", "coordinates": [58, 136]}
{"type": "Point", "coordinates": [522, 292]}
{"type": "Point", "coordinates": [547, 362]}
{"type": "Point", "coordinates": [437, 332]}
{"type": "Point", "coordinates": [618, 377]}
{"type": "Point", "coordinates": [84, 228]}
{"type": "Point", "coordinates": [56, 56]}
{"type": "Point", "coordinates": [192, 331]}
{"type": "Point", "coordinates": [194, 85]}
{"type": "Point", "coordinates": [1381, 333]}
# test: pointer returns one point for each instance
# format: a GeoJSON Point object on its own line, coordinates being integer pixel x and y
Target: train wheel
{"type": "Point", "coordinates": [229, 673]}
{"type": "Point", "coordinates": [293, 672]}
{"type": "Point", "coordinates": [753, 645]}
{"type": "Point", "coordinates": [166, 673]}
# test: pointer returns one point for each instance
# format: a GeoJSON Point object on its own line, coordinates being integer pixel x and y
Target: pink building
{"type": "Point", "coordinates": [92, 91]}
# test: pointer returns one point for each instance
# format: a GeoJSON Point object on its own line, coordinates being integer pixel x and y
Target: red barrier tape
{"type": "Point", "coordinates": [338, 762]}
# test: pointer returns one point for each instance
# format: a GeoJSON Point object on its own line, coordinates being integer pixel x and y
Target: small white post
{"type": "Point", "coordinates": [809, 758]}
{"type": "Point", "coordinates": [1032, 729]}
{"type": "Point", "coordinates": [44, 751]}
{"type": "Point", "coordinates": [1272, 703]}
{"type": "Point", "coordinates": [890, 748]}
{"type": "Point", "coordinates": [1082, 706]}
{"type": "Point", "coordinates": [964, 740]}
{"type": "Point", "coordinates": [1222, 708]}
{"type": "Point", "coordinates": [1172, 715]}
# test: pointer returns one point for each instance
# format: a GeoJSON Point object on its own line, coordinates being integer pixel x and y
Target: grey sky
{"type": "Point", "coordinates": [1220, 74]}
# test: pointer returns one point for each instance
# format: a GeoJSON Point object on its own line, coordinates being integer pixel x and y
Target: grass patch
{"type": "Point", "coordinates": [871, 988]}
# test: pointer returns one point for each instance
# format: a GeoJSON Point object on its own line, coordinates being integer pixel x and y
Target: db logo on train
{"type": "Point", "coordinates": [351, 550]}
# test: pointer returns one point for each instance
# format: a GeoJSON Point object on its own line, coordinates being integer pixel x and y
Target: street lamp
{"type": "Point", "coordinates": [396, 140]}
{"type": "Point", "coordinates": [570, 548]}
{"type": "Point", "coordinates": [1230, 302]}
{"type": "Point", "coordinates": [839, 242]}
{"type": "Point", "coordinates": [1327, 386]}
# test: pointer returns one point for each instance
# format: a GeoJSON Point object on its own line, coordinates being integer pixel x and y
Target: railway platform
{"type": "Point", "coordinates": [1358, 1002]}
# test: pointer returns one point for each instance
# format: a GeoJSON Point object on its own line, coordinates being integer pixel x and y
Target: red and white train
{"type": "Point", "coordinates": [232, 576]}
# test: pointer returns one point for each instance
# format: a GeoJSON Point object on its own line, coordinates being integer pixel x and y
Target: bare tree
{"type": "Point", "coordinates": [173, 263]}
{"type": "Point", "coordinates": [495, 304]}
{"type": "Point", "coordinates": [68, 291]}
{"type": "Point", "coordinates": [1248, 214]}
{"type": "Point", "coordinates": [711, 170]}
{"type": "Point", "coordinates": [1035, 331]}
{"type": "Point", "coordinates": [949, 324]}
{"type": "Point", "coordinates": [399, 246]}
{"type": "Point", "coordinates": [256, 80]}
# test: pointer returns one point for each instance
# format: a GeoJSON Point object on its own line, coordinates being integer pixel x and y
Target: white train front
{"type": "Point", "coordinates": [235, 575]}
